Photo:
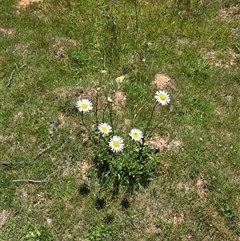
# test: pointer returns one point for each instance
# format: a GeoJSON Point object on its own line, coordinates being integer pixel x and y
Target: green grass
{"type": "Point", "coordinates": [54, 53]}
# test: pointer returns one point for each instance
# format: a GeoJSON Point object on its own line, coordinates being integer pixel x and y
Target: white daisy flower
{"type": "Point", "coordinates": [116, 143]}
{"type": "Point", "coordinates": [104, 129]}
{"type": "Point", "coordinates": [136, 134]}
{"type": "Point", "coordinates": [162, 97]}
{"type": "Point", "coordinates": [84, 105]}
{"type": "Point", "coordinates": [109, 99]}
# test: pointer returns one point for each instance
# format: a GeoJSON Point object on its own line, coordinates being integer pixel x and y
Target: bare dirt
{"type": "Point", "coordinates": [163, 82]}
{"type": "Point", "coordinates": [6, 31]}
{"type": "Point", "coordinates": [229, 58]}
{"type": "Point", "coordinates": [24, 3]}
{"type": "Point", "coordinates": [3, 217]}
{"type": "Point", "coordinates": [157, 143]}
{"type": "Point", "coordinates": [119, 100]}
{"type": "Point", "coordinates": [230, 12]}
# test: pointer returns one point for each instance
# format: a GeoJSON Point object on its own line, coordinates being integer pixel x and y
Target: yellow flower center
{"type": "Point", "coordinates": [116, 144]}
{"type": "Point", "coordinates": [135, 135]}
{"type": "Point", "coordinates": [162, 97]}
{"type": "Point", "coordinates": [84, 106]}
{"type": "Point", "coordinates": [104, 129]}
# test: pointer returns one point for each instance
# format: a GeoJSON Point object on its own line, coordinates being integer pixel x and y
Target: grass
{"type": "Point", "coordinates": [55, 52]}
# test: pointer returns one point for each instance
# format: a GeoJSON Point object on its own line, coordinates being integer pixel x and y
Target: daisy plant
{"type": "Point", "coordinates": [120, 160]}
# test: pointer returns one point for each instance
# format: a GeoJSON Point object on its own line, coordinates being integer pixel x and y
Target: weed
{"type": "Point", "coordinates": [98, 232]}
{"type": "Point", "coordinates": [118, 161]}
{"type": "Point", "coordinates": [34, 233]}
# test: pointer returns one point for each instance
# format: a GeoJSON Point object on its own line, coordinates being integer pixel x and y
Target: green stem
{"type": "Point", "coordinates": [148, 123]}
{"type": "Point", "coordinates": [155, 127]}
{"type": "Point", "coordinates": [96, 110]}
{"type": "Point", "coordinates": [110, 115]}
{"type": "Point", "coordinates": [145, 131]}
{"type": "Point", "coordinates": [83, 123]}
{"type": "Point", "coordinates": [136, 14]}
{"type": "Point", "coordinates": [103, 115]}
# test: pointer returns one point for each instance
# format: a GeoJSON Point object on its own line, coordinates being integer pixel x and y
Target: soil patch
{"type": "Point", "coordinates": [163, 82]}
{"type": "Point", "coordinates": [76, 93]}
{"type": "Point", "coordinates": [119, 100]}
{"type": "Point", "coordinates": [222, 59]}
{"type": "Point", "coordinates": [3, 217]}
{"type": "Point", "coordinates": [157, 143]}
{"type": "Point", "coordinates": [24, 3]}
{"type": "Point", "coordinates": [230, 12]}
{"type": "Point", "coordinates": [6, 31]}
